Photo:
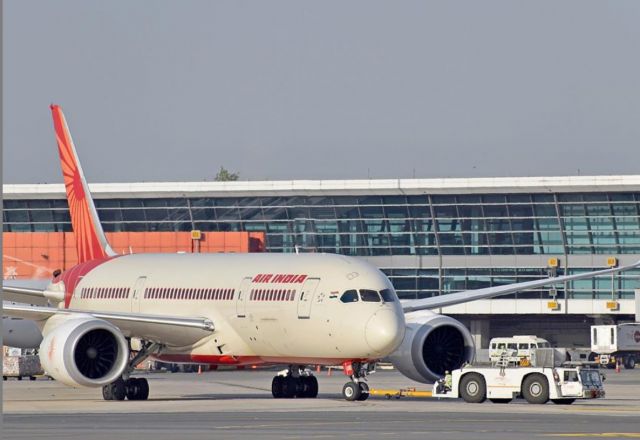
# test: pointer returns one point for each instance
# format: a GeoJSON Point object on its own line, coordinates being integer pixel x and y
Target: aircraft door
{"type": "Point", "coordinates": [243, 297]}
{"type": "Point", "coordinates": [306, 297]}
{"type": "Point", "coordinates": [138, 292]}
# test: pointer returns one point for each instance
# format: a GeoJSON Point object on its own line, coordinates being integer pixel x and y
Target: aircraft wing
{"type": "Point", "coordinates": [490, 292]}
{"type": "Point", "coordinates": [171, 330]}
{"type": "Point", "coordinates": [25, 291]}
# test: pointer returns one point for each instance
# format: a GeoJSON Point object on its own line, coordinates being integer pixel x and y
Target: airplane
{"type": "Point", "coordinates": [110, 312]}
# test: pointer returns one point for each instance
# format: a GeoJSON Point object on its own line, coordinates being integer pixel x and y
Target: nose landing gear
{"type": "Point", "coordinates": [357, 389]}
{"type": "Point", "coordinates": [294, 382]}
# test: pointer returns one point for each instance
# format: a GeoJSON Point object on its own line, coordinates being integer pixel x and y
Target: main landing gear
{"type": "Point", "coordinates": [357, 389]}
{"type": "Point", "coordinates": [295, 382]}
{"type": "Point", "coordinates": [132, 388]}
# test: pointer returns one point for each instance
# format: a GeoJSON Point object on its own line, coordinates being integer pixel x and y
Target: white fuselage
{"type": "Point", "coordinates": [266, 308]}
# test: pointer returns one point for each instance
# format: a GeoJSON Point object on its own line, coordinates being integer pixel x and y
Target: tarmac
{"type": "Point", "coordinates": [238, 405]}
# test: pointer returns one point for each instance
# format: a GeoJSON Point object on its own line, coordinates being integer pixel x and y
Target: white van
{"type": "Point", "coordinates": [519, 347]}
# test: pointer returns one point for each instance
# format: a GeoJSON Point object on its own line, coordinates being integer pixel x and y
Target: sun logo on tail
{"type": "Point", "coordinates": [90, 240]}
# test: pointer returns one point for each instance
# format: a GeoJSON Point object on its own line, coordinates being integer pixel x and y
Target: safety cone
{"type": "Point", "coordinates": [199, 369]}
{"type": "Point", "coordinates": [317, 368]}
{"type": "Point", "coordinates": [329, 371]}
{"type": "Point", "coordinates": [617, 365]}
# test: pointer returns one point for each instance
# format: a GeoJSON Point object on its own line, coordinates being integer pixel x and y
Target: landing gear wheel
{"type": "Point", "coordinates": [563, 401]}
{"type": "Point", "coordinates": [308, 387]}
{"type": "Point", "coordinates": [473, 388]}
{"type": "Point", "coordinates": [115, 390]}
{"type": "Point", "coordinates": [144, 389]}
{"type": "Point", "coordinates": [364, 391]}
{"type": "Point", "coordinates": [107, 392]}
{"type": "Point", "coordinates": [277, 387]}
{"type": "Point", "coordinates": [132, 388]}
{"type": "Point", "coordinates": [535, 389]}
{"type": "Point", "coordinates": [289, 387]}
{"type": "Point", "coordinates": [137, 389]}
{"type": "Point", "coordinates": [351, 391]}
{"type": "Point", "coordinates": [500, 400]}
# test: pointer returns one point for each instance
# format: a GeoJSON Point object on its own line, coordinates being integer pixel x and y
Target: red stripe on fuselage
{"type": "Point", "coordinates": [72, 277]}
{"type": "Point", "coordinates": [250, 360]}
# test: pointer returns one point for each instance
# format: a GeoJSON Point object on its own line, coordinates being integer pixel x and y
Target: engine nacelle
{"type": "Point", "coordinates": [20, 333]}
{"type": "Point", "coordinates": [83, 351]}
{"type": "Point", "coordinates": [432, 344]}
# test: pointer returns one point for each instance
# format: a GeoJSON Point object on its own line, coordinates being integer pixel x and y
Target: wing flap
{"type": "Point", "coordinates": [491, 292]}
{"type": "Point", "coordinates": [169, 330]}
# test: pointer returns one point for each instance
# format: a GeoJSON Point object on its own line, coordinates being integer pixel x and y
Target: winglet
{"type": "Point", "coordinates": [91, 242]}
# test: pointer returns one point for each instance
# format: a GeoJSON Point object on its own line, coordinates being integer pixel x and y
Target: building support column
{"type": "Point", "coordinates": [480, 332]}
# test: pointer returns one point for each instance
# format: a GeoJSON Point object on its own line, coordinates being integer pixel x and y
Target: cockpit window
{"type": "Point", "coordinates": [350, 296]}
{"type": "Point", "coordinates": [387, 295]}
{"type": "Point", "coordinates": [369, 295]}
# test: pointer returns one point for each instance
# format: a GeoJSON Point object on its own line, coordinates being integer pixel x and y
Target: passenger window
{"type": "Point", "coordinates": [369, 295]}
{"type": "Point", "coordinates": [502, 346]}
{"type": "Point", "coordinates": [387, 295]}
{"type": "Point", "coordinates": [534, 346]}
{"type": "Point", "coordinates": [512, 346]}
{"type": "Point", "coordinates": [493, 346]}
{"type": "Point", "coordinates": [350, 296]}
{"type": "Point", "coordinates": [523, 346]}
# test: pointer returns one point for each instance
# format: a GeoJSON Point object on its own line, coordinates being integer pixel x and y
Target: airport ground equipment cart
{"type": "Point", "coordinates": [616, 344]}
{"type": "Point", "coordinates": [561, 385]}
{"type": "Point", "coordinates": [21, 366]}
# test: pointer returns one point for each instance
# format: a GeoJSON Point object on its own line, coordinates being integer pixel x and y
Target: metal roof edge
{"type": "Point", "coordinates": [336, 187]}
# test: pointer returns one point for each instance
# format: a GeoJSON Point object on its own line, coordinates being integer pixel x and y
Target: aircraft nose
{"type": "Point", "coordinates": [384, 331]}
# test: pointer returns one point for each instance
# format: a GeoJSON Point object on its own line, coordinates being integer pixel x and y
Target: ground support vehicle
{"type": "Point", "coordinates": [616, 344]}
{"type": "Point", "coordinates": [518, 348]}
{"type": "Point", "coordinates": [561, 385]}
{"type": "Point", "coordinates": [21, 366]}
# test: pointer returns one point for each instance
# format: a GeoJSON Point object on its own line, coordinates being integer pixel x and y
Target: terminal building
{"type": "Point", "coordinates": [430, 236]}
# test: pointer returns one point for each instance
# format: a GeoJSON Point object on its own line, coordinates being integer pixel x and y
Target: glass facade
{"type": "Point", "coordinates": [553, 224]}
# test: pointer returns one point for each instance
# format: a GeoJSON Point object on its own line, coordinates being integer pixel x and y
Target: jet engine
{"type": "Point", "coordinates": [432, 344]}
{"type": "Point", "coordinates": [83, 351]}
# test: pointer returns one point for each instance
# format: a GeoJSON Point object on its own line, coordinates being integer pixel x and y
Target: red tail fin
{"type": "Point", "coordinates": [90, 239]}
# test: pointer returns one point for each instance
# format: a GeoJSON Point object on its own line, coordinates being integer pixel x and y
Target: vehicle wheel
{"type": "Point", "coordinates": [276, 387]}
{"type": "Point", "coordinates": [630, 363]}
{"type": "Point", "coordinates": [473, 388]}
{"type": "Point", "coordinates": [289, 387]}
{"type": "Point", "coordinates": [535, 389]}
{"type": "Point", "coordinates": [364, 391]}
{"type": "Point", "coordinates": [32, 378]}
{"type": "Point", "coordinates": [351, 391]}
{"type": "Point", "coordinates": [118, 390]}
{"type": "Point", "coordinates": [19, 377]}
{"type": "Point", "coordinates": [563, 401]}
{"type": "Point", "coordinates": [4, 377]}
{"type": "Point", "coordinates": [500, 400]}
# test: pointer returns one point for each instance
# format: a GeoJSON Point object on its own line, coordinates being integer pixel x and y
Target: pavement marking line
{"type": "Point", "coordinates": [597, 434]}
{"type": "Point", "coordinates": [603, 409]}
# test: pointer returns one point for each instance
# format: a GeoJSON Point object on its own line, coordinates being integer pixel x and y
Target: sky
{"type": "Point", "coordinates": [280, 90]}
